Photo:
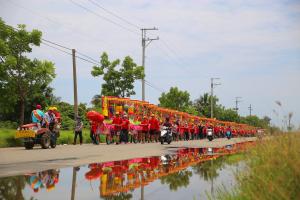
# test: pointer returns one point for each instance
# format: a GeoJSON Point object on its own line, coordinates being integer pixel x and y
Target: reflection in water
{"type": "Point", "coordinates": [120, 179]}
{"type": "Point", "coordinates": [11, 187]}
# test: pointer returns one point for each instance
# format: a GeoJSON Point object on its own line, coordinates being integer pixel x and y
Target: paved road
{"type": "Point", "coordinates": [15, 161]}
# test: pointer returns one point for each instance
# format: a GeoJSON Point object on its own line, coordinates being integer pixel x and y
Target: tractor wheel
{"type": "Point", "coordinates": [45, 140]}
{"type": "Point", "coordinates": [28, 145]}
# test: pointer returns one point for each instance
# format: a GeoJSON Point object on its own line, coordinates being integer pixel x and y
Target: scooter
{"type": "Point", "coordinates": [228, 135]}
{"type": "Point", "coordinates": [165, 135]}
{"type": "Point", "coordinates": [210, 136]}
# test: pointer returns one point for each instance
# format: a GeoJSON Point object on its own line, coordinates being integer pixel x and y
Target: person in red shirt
{"type": "Point", "coordinates": [145, 129]}
{"type": "Point", "coordinates": [154, 127]}
{"type": "Point", "coordinates": [93, 128]}
{"type": "Point", "coordinates": [124, 129]}
{"type": "Point", "coordinates": [117, 123]}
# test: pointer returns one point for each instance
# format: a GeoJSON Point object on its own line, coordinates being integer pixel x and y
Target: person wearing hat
{"type": "Point", "coordinates": [49, 119]}
{"type": "Point", "coordinates": [78, 130]}
{"type": "Point", "coordinates": [37, 116]}
{"type": "Point", "coordinates": [117, 123]}
{"type": "Point", "coordinates": [145, 130]}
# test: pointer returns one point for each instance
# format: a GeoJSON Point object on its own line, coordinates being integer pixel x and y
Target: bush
{"type": "Point", "coordinates": [8, 125]}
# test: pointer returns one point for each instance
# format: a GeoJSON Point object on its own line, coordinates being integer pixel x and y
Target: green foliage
{"type": "Point", "coordinates": [202, 104]}
{"type": "Point", "coordinates": [273, 171]}
{"type": "Point", "coordinates": [175, 99]}
{"type": "Point", "coordinates": [22, 80]}
{"type": "Point", "coordinates": [67, 115]}
{"type": "Point", "coordinates": [177, 180]}
{"type": "Point", "coordinates": [8, 124]}
{"type": "Point", "coordinates": [118, 82]}
{"type": "Point", "coordinates": [12, 187]}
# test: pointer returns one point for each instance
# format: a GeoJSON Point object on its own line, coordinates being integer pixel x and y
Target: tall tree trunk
{"type": "Point", "coordinates": [22, 110]}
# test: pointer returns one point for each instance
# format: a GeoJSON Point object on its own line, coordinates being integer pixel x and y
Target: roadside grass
{"type": "Point", "coordinates": [7, 137]}
{"type": "Point", "coordinates": [272, 171]}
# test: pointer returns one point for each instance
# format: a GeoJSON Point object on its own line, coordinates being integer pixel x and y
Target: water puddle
{"type": "Point", "coordinates": [188, 173]}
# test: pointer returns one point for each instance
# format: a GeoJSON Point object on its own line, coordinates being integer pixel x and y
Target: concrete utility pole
{"type": "Point", "coordinates": [237, 101]}
{"type": "Point", "coordinates": [250, 109]}
{"type": "Point", "coordinates": [212, 86]}
{"type": "Point", "coordinates": [75, 115]}
{"type": "Point", "coordinates": [145, 43]}
{"type": "Point", "coordinates": [75, 84]}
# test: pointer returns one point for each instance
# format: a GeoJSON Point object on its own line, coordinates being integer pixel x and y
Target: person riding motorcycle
{"type": "Point", "coordinates": [37, 116]}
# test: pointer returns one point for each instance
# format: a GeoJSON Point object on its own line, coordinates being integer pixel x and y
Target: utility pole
{"type": "Point", "coordinates": [75, 116]}
{"type": "Point", "coordinates": [237, 101]}
{"type": "Point", "coordinates": [75, 84]}
{"type": "Point", "coordinates": [145, 42]}
{"type": "Point", "coordinates": [250, 109]}
{"type": "Point", "coordinates": [212, 86]}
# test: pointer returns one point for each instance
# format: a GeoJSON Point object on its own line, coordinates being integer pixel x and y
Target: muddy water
{"type": "Point", "coordinates": [186, 174]}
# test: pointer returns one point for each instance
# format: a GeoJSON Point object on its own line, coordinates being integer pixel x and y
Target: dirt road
{"type": "Point", "coordinates": [15, 161]}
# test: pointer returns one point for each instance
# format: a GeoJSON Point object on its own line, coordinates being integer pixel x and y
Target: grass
{"type": "Point", "coordinates": [7, 138]}
{"type": "Point", "coordinates": [272, 172]}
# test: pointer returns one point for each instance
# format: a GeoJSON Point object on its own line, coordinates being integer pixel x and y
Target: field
{"type": "Point", "coordinates": [273, 171]}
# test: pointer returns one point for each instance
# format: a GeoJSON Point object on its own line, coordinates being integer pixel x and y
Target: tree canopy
{"type": "Point", "coordinates": [175, 99]}
{"type": "Point", "coordinates": [22, 80]}
{"type": "Point", "coordinates": [119, 80]}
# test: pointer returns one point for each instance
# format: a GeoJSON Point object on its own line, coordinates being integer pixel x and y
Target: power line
{"type": "Point", "coordinates": [56, 44]}
{"type": "Point", "coordinates": [65, 26]}
{"type": "Point", "coordinates": [56, 48]}
{"type": "Point", "coordinates": [115, 15]}
{"type": "Point", "coordinates": [102, 17]}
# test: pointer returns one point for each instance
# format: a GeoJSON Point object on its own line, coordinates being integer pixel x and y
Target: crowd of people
{"type": "Point", "coordinates": [148, 130]}
{"type": "Point", "coordinates": [121, 130]}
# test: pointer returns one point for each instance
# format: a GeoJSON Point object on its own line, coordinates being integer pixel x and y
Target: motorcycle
{"type": "Point", "coordinates": [228, 135]}
{"type": "Point", "coordinates": [166, 135]}
{"type": "Point", "coordinates": [210, 136]}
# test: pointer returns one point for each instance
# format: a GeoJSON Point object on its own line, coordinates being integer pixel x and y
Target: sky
{"type": "Point", "coordinates": [253, 46]}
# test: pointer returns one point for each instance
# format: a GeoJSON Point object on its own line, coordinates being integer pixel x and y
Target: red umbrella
{"type": "Point", "coordinates": [94, 116]}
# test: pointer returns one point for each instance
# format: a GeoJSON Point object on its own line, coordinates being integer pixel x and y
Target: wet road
{"type": "Point", "coordinates": [15, 161]}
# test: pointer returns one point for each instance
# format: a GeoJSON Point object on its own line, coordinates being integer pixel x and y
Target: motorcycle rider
{"type": "Point", "coordinates": [167, 122]}
{"type": "Point", "coordinates": [37, 116]}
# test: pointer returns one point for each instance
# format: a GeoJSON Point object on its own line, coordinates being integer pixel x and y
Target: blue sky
{"type": "Point", "coordinates": [253, 46]}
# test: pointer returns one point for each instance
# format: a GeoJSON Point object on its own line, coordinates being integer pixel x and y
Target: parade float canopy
{"type": "Point", "coordinates": [141, 108]}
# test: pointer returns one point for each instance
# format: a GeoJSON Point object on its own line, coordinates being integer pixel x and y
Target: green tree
{"type": "Point", "coordinates": [21, 78]}
{"type": "Point", "coordinates": [12, 187]}
{"type": "Point", "coordinates": [118, 82]}
{"type": "Point", "coordinates": [202, 104]}
{"type": "Point", "coordinates": [227, 114]}
{"type": "Point", "coordinates": [175, 99]}
{"type": "Point", "coordinates": [177, 179]}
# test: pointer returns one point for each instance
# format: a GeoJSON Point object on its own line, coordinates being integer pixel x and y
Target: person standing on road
{"type": "Point", "coordinates": [125, 129]}
{"type": "Point", "coordinates": [78, 130]}
{"type": "Point", "coordinates": [93, 129]}
{"type": "Point", "coordinates": [154, 127]}
{"type": "Point", "coordinates": [145, 129]}
{"type": "Point", "coordinates": [117, 122]}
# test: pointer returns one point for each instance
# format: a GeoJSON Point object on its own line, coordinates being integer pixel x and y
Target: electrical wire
{"type": "Point", "coordinates": [113, 14]}
{"type": "Point", "coordinates": [103, 17]}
